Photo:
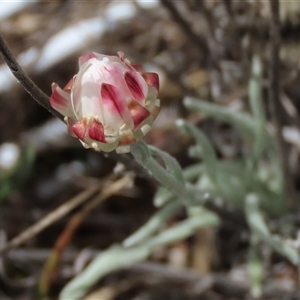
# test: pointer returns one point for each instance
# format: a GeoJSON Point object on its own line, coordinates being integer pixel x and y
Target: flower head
{"type": "Point", "coordinates": [110, 104]}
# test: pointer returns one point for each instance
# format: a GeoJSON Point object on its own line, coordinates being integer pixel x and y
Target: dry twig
{"type": "Point", "coordinates": [198, 41]}
{"type": "Point", "coordinates": [65, 237]}
{"type": "Point", "coordinates": [51, 218]}
{"type": "Point", "coordinates": [275, 104]}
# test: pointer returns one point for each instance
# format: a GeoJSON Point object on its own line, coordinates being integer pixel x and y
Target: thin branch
{"type": "Point", "coordinates": [197, 283]}
{"type": "Point", "coordinates": [32, 89]}
{"type": "Point", "coordinates": [51, 266]}
{"type": "Point", "coordinates": [227, 4]}
{"type": "Point", "coordinates": [198, 41]}
{"type": "Point", "coordinates": [207, 46]}
{"type": "Point", "coordinates": [200, 5]}
{"type": "Point", "coordinates": [275, 104]}
{"type": "Point", "coordinates": [51, 218]}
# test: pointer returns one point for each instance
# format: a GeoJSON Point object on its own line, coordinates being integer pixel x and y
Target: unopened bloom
{"type": "Point", "coordinates": [110, 104]}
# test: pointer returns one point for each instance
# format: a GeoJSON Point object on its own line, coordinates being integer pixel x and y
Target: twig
{"type": "Point", "coordinates": [290, 108]}
{"type": "Point", "coordinates": [209, 47]}
{"type": "Point", "coordinates": [227, 4]}
{"type": "Point", "coordinates": [196, 283]}
{"type": "Point", "coordinates": [210, 22]}
{"type": "Point", "coordinates": [49, 219]}
{"type": "Point", "coordinates": [215, 48]}
{"type": "Point", "coordinates": [32, 89]}
{"type": "Point", "coordinates": [275, 104]}
{"type": "Point", "coordinates": [215, 51]}
{"type": "Point", "coordinates": [198, 41]}
{"type": "Point", "coordinates": [40, 255]}
{"type": "Point", "coordinates": [51, 266]}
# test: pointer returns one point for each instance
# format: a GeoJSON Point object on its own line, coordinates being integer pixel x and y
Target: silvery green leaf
{"type": "Point", "coordinates": [207, 150]}
{"type": "Point", "coordinates": [243, 122]}
{"type": "Point", "coordinates": [171, 163]}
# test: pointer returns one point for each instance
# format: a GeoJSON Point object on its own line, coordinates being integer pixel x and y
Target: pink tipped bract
{"type": "Point", "coordinates": [110, 104]}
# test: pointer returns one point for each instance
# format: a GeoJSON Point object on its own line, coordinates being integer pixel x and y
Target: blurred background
{"type": "Point", "coordinates": [202, 49]}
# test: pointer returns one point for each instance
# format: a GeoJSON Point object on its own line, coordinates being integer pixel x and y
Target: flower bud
{"type": "Point", "coordinates": [110, 104]}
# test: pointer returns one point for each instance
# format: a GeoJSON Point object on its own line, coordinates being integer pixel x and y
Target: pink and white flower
{"type": "Point", "coordinates": [110, 104]}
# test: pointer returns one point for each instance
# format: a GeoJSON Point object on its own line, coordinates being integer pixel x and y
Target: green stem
{"type": "Point", "coordinates": [142, 155]}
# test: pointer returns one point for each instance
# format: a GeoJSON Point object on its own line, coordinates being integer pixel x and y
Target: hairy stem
{"type": "Point", "coordinates": [31, 88]}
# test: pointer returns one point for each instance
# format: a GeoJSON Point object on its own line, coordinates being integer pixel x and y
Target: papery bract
{"type": "Point", "coordinates": [110, 104]}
